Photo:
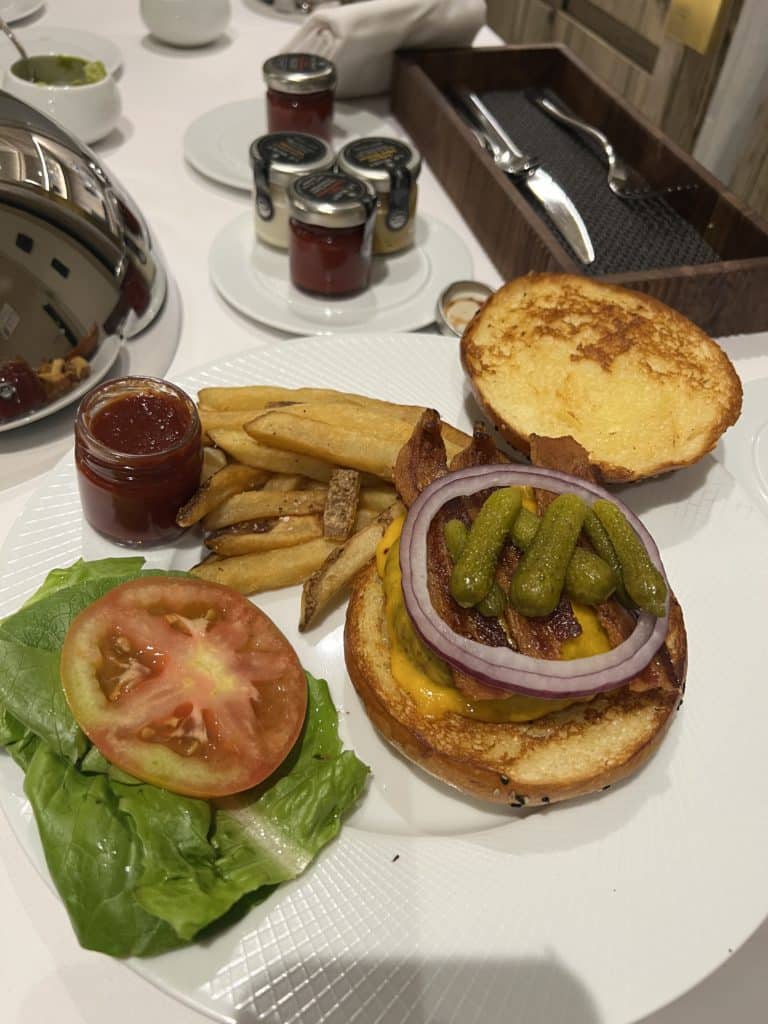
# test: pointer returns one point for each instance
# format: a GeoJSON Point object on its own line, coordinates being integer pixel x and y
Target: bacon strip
{"type": "Point", "coordinates": [564, 455]}
{"type": "Point", "coordinates": [422, 459]}
{"type": "Point", "coordinates": [481, 451]}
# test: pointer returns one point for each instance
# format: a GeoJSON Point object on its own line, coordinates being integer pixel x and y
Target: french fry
{"type": "Point", "coordinates": [341, 504]}
{"type": "Point", "coordinates": [377, 497]}
{"type": "Point", "coordinates": [370, 417]}
{"type": "Point", "coordinates": [288, 482]}
{"type": "Point", "coordinates": [229, 481]}
{"type": "Point", "coordinates": [263, 396]}
{"type": "Point", "coordinates": [214, 459]}
{"type": "Point", "coordinates": [243, 448]}
{"type": "Point", "coordinates": [333, 444]}
{"type": "Point", "coordinates": [353, 436]}
{"type": "Point", "coordinates": [259, 396]}
{"type": "Point", "coordinates": [363, 517]}
{"type": "Point", "coordinates": [264, 535]}
{"type": "Point", "coordinates": [266, 570]}
{"type": "Point", "coordinates": [214, 419]}
{"type": "Point", "coordinates": [342, 565]}
{"type": "Point", "coordinates": [264, 505]}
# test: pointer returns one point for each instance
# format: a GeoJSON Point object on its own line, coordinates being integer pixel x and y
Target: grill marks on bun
{"type": "Point", "coordinates": [641, 387]}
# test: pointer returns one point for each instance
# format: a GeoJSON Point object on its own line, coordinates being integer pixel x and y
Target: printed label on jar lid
{"type": "Point", "coordinates": [331, 188]}
{"type": "Point", "coordinates": [293, 148]}
{"type": "Point", "coordinates": [393, 157]}
{"type": "Point", "coordinates": [332, 199]}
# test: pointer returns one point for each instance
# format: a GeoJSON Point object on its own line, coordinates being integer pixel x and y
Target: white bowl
{"type": "Point", "coordinates": [89, 111]}
{"type": "Point", "coordinates": [186, 22]}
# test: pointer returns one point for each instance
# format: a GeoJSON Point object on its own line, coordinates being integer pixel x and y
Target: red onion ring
{"type": "Point", "coordinates": [500, 666]}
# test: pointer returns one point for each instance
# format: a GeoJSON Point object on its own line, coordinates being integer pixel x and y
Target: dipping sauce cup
{"type": "Point", "coordinates": [138, 455]}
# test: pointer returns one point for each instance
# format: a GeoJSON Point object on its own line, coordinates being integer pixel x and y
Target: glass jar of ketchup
{"type": "Point", "coordinates": [331, 233]}
{"type": "Point", "coordinates": [138, 455]}
{"type": "Point", "coordinates": [300, 89]}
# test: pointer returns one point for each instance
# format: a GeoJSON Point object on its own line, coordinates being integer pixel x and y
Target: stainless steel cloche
{"type": "Point", "coordinates": [76, 256]}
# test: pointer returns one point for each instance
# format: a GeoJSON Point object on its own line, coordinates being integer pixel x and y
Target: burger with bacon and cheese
{"type": "Point", "coordinates": [511, 708]}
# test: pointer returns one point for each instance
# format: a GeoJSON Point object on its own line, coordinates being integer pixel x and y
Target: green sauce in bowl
{"type": "Point", "coordinates": [57, 69]}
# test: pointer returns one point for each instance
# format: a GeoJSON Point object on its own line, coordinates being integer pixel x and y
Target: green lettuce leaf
{"type": "Point", "coordinates": [142, 870]}
{"type": "Point", "coordinates": [94, 858]}
{"type": "Point", "coordinates": [83, 572]}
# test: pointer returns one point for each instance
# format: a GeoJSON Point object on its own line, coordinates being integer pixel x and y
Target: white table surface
{"type": "Point", "coordinates": [44, 974]}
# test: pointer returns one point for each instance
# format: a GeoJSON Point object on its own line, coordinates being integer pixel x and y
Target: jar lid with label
{"type": "Point", "coordinates": [299, 73]}
{"type": "Point", "coordinates": [331, 200]}
{"type": "Point", "coordinates": [390, 166]}
{"type": "Point", "coordinates": [278, 158]}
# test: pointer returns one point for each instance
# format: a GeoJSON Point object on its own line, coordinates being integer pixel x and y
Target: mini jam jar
{"type": "Point", "coordinates": [138, 455]}
{"type": "Point", "coordinates": [331, 228]}
{"type": "Point", "coordinates": [300, 89]}
{"type": "Point", "coordinates": [277, 159]}
{"type": "Point", "coordinates": [391, 168]}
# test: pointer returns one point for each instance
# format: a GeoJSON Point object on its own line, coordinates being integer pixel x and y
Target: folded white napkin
{"type": "Point", "coordinates": [361, 37]}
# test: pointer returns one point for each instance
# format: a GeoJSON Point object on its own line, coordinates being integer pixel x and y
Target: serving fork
{"type": "Point", "coordinates": [623, 181]}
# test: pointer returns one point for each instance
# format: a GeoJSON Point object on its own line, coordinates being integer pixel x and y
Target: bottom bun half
{"type": "Point", "coordinates": [566, 754]}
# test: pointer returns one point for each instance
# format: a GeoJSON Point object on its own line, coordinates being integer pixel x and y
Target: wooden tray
{"type": "Point", "coordinates": [729, 296]}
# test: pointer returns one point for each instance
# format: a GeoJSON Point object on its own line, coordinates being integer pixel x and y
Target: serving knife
{"type": "Point", "coordinates": [527, 172]}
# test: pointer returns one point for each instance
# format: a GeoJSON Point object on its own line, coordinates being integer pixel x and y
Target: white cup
{"type": "Point", "coordinates": [89, 111]}
{"type": "Point", "coordinates": [186, 22]}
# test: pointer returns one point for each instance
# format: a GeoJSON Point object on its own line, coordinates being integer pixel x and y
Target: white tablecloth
{"type": "Point", "coordinates": [44, 975]}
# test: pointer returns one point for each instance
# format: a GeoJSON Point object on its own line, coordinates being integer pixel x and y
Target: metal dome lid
{"type": "Point", "coordinates": [59, 188]}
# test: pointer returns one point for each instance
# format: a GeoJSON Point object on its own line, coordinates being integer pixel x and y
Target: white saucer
{"type": "Point", "coordinates": [15, 10]}
{"type": "Point", "coordinates": [101, 363]}
{"type": "Point", "coordinates": [254, 278]}
{"type": "Point", "coordinates": [38, 40]}
{"type": "Point", "coordinates": [217, 142]}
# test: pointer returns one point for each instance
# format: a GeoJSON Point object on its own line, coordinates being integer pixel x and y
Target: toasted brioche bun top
{"type": "Point", "coordinates": [642, 388]}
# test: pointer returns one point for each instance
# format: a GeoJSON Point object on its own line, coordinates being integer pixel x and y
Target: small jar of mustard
{"type": "Point", "coordinates": [276, 160]}
{"type": "Point", "coordinates": [391, 168]}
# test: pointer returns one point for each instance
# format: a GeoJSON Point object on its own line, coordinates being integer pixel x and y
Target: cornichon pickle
{"type": "Point", "coordinates": [643, 581]}
{"type": "Point", "coordinates": [524, 529]}
{"type": "Point", "coordinates": [456, 533]}
{"type": "Point", "coordinates": [588, 578]}
{"type": "Point", "coordinates": [538, 581]}
{"type": "Point", "coordinates": [474, 571]}
{"type": "Point", "coordinates": [494, 604]}
{"type": "Point", "coordinates": [601, 542]}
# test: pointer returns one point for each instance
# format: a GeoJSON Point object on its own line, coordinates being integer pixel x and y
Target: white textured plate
{"type": "Point", "coordinates": [15, 10]}
{"type": "Point", "coordinates": [744, 448]}
{"type": "Point", "coordinates": [217, 142]}
{"type": "Point", "coordinates": [430, 908]}
{"type": "Point", "coordinates": [101, 363]}
{"type": "Point", "coordinates": [254, 278]}
{"type": "Point", "coordinates": [42, 39]}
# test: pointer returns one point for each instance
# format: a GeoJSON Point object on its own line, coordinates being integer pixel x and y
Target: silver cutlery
{"type": "Point", "coordinates": [6, 29]}
{"type": "Point", "coordinates": [527, 171]}
{"type": "Point", "coordinates": [623, 181]}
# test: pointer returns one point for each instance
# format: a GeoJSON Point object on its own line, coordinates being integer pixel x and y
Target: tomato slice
{"type": "Point", "coordinates": [184, 684]}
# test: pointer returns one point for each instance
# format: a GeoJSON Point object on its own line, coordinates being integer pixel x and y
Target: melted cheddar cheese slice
{"type": "Point", "coordinates": [427, 680]}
